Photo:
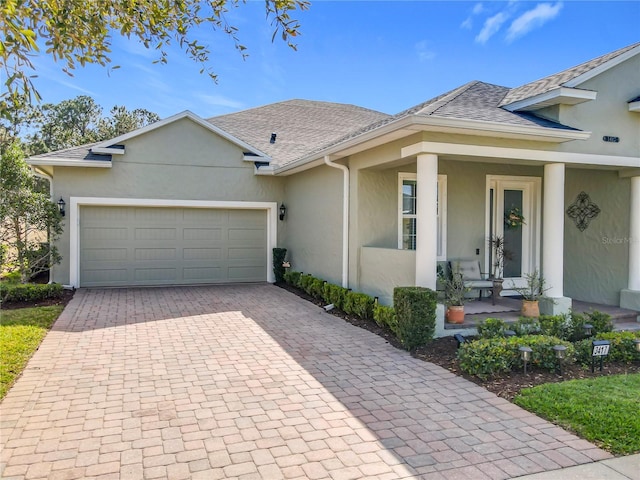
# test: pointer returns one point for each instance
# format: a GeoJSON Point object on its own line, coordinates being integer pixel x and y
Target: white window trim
{"type": "Point", "coordinates": [77, 202]}
{"type": "Point", "coordinates": [442, 214]}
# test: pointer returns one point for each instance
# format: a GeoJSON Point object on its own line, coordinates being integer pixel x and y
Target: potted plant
{"type": "Point", "coordinates": [499, 253]}
{"type": "Point", "coordinates": [454, 297]}
{"type": "Point", "coordinates": [531, 294]}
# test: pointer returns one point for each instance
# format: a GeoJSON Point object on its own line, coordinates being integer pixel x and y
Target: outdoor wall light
{"type": "Point", "coordinates": [61, 205]}
{"type": "Point", "coordinates": [283, 211]}
{"type": "Point", "coordinates": [561, 352]}
{"type": "Point", "coordinates": [636, 341]}
{"type": "Point", "coordinates": [525, 353]}
{"type": "Point", "coordinates": [587, 329]}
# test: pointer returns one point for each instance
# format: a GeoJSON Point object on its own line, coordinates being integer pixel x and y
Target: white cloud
{"type": "Point", "coordinates": [424, 51]}
{"type": "Point", "coordinates": [478, 8]}
{"type": "Point", "coordinates": [491, 27]}
{"type": "Point", "coordinates": [531, 19]}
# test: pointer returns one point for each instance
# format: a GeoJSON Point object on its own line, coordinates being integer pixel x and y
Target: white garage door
{"type": "Point", "coordinates": [121, 246]}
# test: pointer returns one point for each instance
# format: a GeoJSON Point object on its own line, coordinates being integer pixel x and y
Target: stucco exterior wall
{"type": "Point", "coordinates": [180, 161]}
{"type": "Point", "coordinates": [312, 229]}
{"type": "Point", "coordinates": [383, 269]}
{"type": "Point", "coordinates": [597, 259]}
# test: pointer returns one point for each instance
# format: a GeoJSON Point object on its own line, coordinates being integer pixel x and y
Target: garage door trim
{"type": "Point", "coordinates": [74, 222]}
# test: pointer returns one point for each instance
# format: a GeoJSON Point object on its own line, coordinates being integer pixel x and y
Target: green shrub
{"type": "Point", "coordinates": [555, 326]}
{"type": "Point", "coordinates": [292, 278]}
{"type": "Point", "coordinates": [416, 315]}
{"type": "Point", "coordinates": [492, 327]}
{"type": "Point", "coordinates": [622, 348]}
{"type": "Point", "coordinates": [526, 326]}
{"type": "Point", "coordinates": [305, 282]}
{"type": "Point", "coordinates": [359, 304]}
{"type": "Point", "coordinates": [335, 294]}
{"type": "Point", "coordinates": [29, 292]}
{"type": "Point", "coordinates": [492, 356]}
{"type": "Point", "coordinates": [386, 316]}
{"type": "Point", "coordinates": [316, 288]}
{"type": "Point", "coordinates": [279, 254]}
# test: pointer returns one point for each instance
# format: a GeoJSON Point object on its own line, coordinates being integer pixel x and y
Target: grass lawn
{"type": "Point", "coordinates": [21, 331]}
{"type": "Point", "coordinates": [603, 410]}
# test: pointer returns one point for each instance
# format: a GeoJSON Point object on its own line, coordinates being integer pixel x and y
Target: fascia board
{"type": "Point", "coordinates": [560, 95]}
{"type": "Point", "coordinates": [107, 151]}
{"type": "Point", "coordinates": [634, 107]}
{"type": "Point", "coordinates": [603, 68]}
{"type": "Point", "coordinates": [61, 162]}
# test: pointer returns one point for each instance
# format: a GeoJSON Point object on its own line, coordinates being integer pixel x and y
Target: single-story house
{"type": "Point", "coordinates": [372, 200]}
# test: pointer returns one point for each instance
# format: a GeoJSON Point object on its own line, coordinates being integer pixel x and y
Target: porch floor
{"type": "Point", "coordinates": [508, 309]}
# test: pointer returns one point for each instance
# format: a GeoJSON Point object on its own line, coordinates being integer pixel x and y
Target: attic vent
{"type": "Point", "coordinates": [273, 138]}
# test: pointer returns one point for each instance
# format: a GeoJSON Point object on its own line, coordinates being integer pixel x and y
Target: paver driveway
{"type": "Point", "coordinates": [253, 382]}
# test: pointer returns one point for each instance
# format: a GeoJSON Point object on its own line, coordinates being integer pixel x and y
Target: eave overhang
{"type": "Point", "coordinates": [557, 96]}
{"type": "Point", "coordinates": [634, 106]}
{"type": "Point", "coordinates": [67, 162]}
{"type": "Point", "coordinates": [410, 125]}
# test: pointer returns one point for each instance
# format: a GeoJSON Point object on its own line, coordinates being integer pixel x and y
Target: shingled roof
{"type": "Point", "coordinates": [559, 79]}
{"type": "Point", "coordinates": [81, 153]}
{"type": "Point", "coordinates": [300, 126]}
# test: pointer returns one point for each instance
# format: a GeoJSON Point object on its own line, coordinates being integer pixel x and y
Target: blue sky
{"type": "Point", "coordinates": [383, 55]}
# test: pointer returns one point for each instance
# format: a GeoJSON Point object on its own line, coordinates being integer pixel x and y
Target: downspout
{"type": "Point", "coordinates": [345, 219]}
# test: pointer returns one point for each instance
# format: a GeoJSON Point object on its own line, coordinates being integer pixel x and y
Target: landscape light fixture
{"type": "Point", "coordinates": [561, 352]}
{"type": "Point", "coordinates": [61, 205]}
{"type": "Point", "coordinates": [587, 329]}
{"type": "Point", "coordinates": [509, 333]}
{"type": "Point", "coordinates": [525, 353]}
{"type": "Point", "coordinates": [283, 210]}
{"type": "Point", "coordinates": [636, 341]}
{"type": "Point", "coordinates": [459, 338]}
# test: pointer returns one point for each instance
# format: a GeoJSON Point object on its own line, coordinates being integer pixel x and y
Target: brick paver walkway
{"type": "Point", "coordinates": [252, 382]}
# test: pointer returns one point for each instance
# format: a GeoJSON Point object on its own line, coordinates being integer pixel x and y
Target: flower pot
{"type": "Point", "coordinates": [530, 308]}
{"type": "Point", "coordinates": [455, 314]}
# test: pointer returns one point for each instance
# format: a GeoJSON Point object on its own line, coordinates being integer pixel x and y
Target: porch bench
{"type": "Point", "coordinates": [472, 276]}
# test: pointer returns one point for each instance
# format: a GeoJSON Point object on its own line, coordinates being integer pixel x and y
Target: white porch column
{"type": "Point", "coordinates": [427, 220]}
{"type": "Point", "coordinates": [630, 297]}
{"type": "Point", "coordinates": [553, 240]}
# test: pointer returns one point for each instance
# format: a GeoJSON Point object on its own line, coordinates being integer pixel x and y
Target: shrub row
{"type": "Point", "coordinates": [622, 349]}
{"type": "Point", "coordinates": [29, 292]}
{"type": "Point", "coordinates": [491, 356]}
{"type": "Point", "coordinates": [412, 320]}
{"type": "Point", "coordinates": [566, 327]}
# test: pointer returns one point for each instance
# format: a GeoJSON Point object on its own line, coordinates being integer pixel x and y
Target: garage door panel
{"type": "Point", "coordinates": [122, 246]}
{"type": "Point", "coordinates": [198, 234]}
{"type": "Point", "coordinates": [154, 254]}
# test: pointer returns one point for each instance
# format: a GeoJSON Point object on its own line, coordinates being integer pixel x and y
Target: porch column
{"type": "Point", "coordinates": [427, 220]}
{"type": "Point", "coordinates": [553, 241]}
{"type": "Point", "coordinates": [630, 297]}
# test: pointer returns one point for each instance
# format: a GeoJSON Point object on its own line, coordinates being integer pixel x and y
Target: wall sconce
{"type": "Point", "coordinates": [587, 329]}
{"type": "Point", "coordinates": [283, 210]}
{"type": "Point", "coordinates": [525, 353]}
{"type": "Point", "coordinates": [61, 205]}
{"type": "Point", "coordinates": [561, 352]}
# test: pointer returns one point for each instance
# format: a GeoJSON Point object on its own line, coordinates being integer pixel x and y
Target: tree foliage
{"type": "Point", "coordinates": [79, 121]}
{"type": "Point", "coordinates": [80, 32]}
{"type": "Point", "coordinates": [30, 221]}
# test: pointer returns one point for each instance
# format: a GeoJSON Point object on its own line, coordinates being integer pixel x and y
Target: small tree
{"type": "Point", "coordinates": [25, 214]}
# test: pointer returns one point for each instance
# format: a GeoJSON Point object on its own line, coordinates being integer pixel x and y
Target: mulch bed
{"type": "Point", "coordinates": [67, 295]}
{"type": "Point", "coordinates": [442, 352]}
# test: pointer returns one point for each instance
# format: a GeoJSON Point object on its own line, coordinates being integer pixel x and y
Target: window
{"type": "Point", "coordinates": [407, 213]}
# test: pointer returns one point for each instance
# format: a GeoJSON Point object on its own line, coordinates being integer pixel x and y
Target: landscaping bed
{"type": "Point", "coordinates": [442, 352]}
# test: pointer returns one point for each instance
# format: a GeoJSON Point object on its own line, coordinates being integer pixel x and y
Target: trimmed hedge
{"type": "Point", "coordinates": [492, 356]}
{"type": "Point", "coordinates": [416, 315]}
{"type": "Point", "coordinates": [386, 316]}
{"type": "Point", "coordinates": [359, 304]}
{"type": "Point", "coordinates": [292, 278]}
{"type": "Point", "coordinates": [279, 254]}
{"type": "Point", "coordinates": [622, 349]}
{"type": "Point", "coordinates": [567, 327]}
{"type": "Point", "coordinates": [335, 294]}
{"type": "Point", "coordinates": [29, 292]}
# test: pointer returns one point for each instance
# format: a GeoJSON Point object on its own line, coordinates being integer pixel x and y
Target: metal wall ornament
{"type": "Point", "coordinates": [582, 211]}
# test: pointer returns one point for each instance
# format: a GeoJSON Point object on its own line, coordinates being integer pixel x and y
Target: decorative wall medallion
{"type": "Point", "coordinates": [582, 211]}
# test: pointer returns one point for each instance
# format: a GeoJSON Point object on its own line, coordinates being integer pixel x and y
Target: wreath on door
{"type": "Point", "coordinates": [513, 218]}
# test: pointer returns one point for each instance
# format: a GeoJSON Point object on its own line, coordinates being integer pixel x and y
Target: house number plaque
{"type": "Point", "coordinates": [607, 138]}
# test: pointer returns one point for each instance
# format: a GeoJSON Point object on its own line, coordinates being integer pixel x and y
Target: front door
{"type": "Point", "coordinates": [513, 212]}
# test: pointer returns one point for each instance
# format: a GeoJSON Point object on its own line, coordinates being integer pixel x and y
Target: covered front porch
{"type": "Point", "coordinates": [409, 214]}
